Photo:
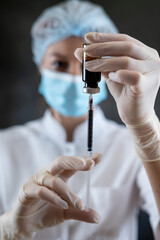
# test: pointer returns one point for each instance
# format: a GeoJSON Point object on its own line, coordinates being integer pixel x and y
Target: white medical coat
{"type": "Point", "coordinates": [119, 185]}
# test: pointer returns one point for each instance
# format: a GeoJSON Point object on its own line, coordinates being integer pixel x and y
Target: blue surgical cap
{"type": "Point", "coordinates": [69, 18]}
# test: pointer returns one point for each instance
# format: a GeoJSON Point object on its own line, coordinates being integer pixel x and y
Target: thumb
{"type": "Point", "coordinates": [115, 88]}
{"type": "Point", "coordinates": [89, 215]}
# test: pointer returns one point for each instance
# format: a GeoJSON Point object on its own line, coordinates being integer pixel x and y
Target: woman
{"type": "Point", "coordinates": [119, 183]}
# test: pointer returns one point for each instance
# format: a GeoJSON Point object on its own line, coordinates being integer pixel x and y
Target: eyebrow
{"type": "Point", "coordinates": [58, 55]}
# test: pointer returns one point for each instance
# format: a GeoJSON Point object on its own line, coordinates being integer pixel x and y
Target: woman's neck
{"type": "Point", "coordinates": [68, 123]}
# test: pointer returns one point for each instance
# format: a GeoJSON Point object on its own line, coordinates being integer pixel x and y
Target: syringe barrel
{"type": "Point", "coordinates": [90, 130]}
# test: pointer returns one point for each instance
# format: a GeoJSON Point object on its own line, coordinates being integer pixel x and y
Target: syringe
{"type": "Point", "coordinates": [91, 80]}
{"type": "Point", "coordinates": [90, 143]}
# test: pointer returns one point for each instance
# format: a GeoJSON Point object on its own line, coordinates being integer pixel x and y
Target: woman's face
{"type": "Point", "coordinates": [60, 56]}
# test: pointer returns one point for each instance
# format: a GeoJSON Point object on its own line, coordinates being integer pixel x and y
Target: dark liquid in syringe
{"type": "Point", "coordinates": [90, 124]}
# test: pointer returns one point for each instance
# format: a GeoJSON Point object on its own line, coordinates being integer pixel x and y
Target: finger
{"type": "Point", "coordinates": [51, 197]}
{"type": "Point", "coordinates": [115, 88]}
{"type": "Point", "coordinates": [94, 37]}
{"type": "Point", "coordinates": [118, 48]}
{"type": "Point", "coordinates": [126, 77]}
{"type": "Point", "coordinates": [42, 174]}
{"type": "Point", "coordinates": [116, 63]}
{"type": "Point", "coordinates": [89, 216]}
{"type": "Point", "coordinates": [69, 163]}
{"type": "Point", "coordinates": [96, 157]}
{"type": "Point", "coordinates": [57, 185]}
{"type": "Point", "coordinates": [35, 191]}
{"type": "Point", "coordinates": [78, 54]}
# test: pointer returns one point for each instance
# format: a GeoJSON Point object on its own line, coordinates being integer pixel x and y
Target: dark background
{"type": "Point", "coordinates": [19, 78]}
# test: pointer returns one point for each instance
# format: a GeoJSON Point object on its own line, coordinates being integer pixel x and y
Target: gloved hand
{"type": "Point", "coordinates": [45, 200]}
{"type": "Point", "coordinates": [133, 76]}
{"type": "Point", "coordinates": [132, 72]}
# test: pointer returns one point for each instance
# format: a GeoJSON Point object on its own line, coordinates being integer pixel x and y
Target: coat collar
{"type": "Point", "coordinates": [53, 129]}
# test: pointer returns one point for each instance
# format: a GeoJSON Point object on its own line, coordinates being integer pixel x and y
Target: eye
{"type": "Point", "coordinates": [59, 64]}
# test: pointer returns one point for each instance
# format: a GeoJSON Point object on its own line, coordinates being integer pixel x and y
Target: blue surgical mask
{"type": "Point", "coordinates": [64, 93]}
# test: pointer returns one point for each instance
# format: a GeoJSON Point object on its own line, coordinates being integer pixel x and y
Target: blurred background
{"type": "Point", "coordinates": [19, 78]}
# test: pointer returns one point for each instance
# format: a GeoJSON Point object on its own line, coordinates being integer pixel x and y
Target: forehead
{"type": "Point", "coordinates": [65, 47]}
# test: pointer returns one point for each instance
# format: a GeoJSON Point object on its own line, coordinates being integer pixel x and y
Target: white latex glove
{"type": "Point", "coordinates": [45, 200]}
{"type": "Point", "coordinates": [133, 77]}
{"type": "Point", "coordinates": [133, 73]}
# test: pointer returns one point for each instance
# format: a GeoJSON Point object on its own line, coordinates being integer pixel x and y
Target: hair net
{"type": "Point", "coordinates": [69, 18]}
